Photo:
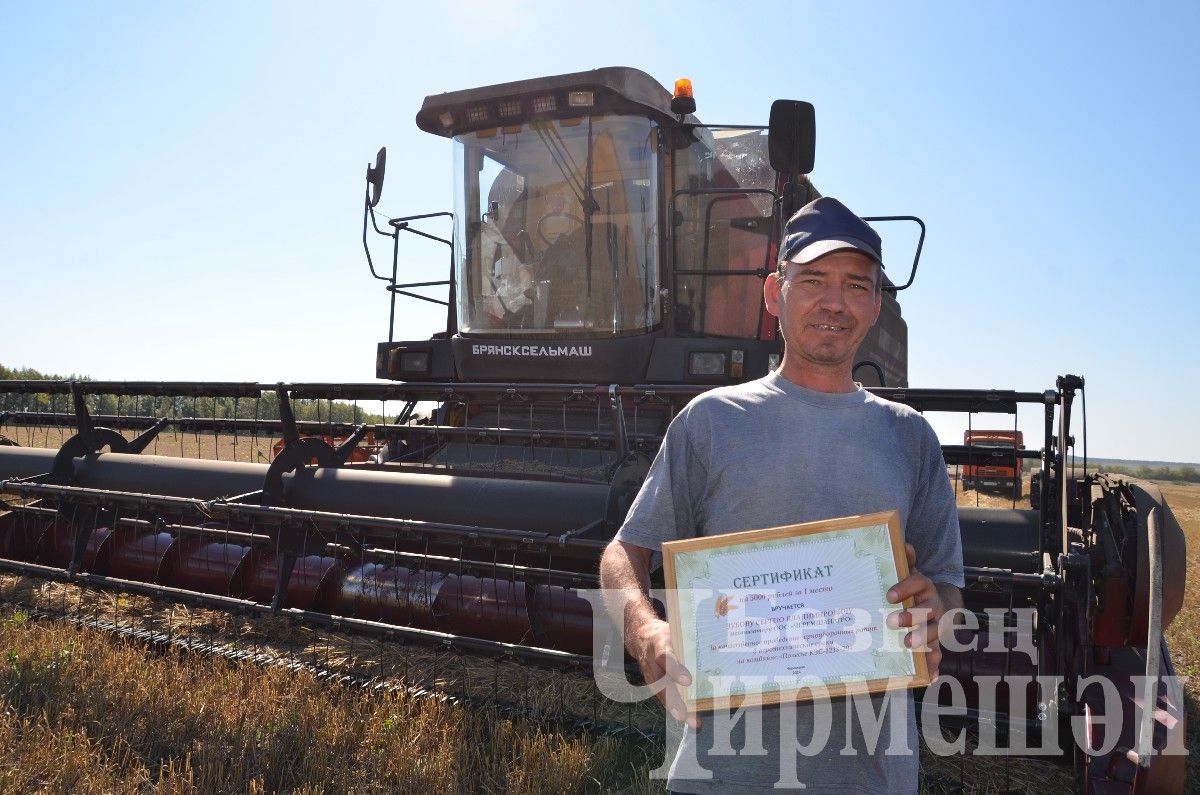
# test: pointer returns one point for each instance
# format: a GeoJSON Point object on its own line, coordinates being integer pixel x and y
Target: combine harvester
{"type": "Point", "coordinates": [606, 259]}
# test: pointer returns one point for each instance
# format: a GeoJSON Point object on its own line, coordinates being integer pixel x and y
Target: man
{"type": "Point", "coordinates": [802, 444]}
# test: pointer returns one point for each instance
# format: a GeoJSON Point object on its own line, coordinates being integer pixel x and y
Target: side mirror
{"type": "Point", "coordinates": [375, 175]}
{"type": "Point", "coordinates": [791, 139]}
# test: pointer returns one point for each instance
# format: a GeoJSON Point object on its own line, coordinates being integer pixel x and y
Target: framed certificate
{"type": "Point", "coordinates": [788, 613]}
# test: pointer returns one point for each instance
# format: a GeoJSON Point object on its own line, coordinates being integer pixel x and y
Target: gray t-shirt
{"type": "Point", "coordinates": [770, 453]}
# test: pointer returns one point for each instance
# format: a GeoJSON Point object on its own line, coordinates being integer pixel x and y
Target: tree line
{"type": "Point", "coordinates": [1184, 474]}
{"type": "Point", "coordinates": [265, 407]}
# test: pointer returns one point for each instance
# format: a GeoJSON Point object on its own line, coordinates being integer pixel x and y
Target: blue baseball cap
{"type": "Point", "coordinates": [824, 226]}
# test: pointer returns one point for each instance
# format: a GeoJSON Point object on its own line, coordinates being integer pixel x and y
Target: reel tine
{"type": "Point", "coordinates": [236, 418]}
{"type": "Point", "coordinates": [196, 426]}
{"type": "Point", "coordinates": [499, 424]}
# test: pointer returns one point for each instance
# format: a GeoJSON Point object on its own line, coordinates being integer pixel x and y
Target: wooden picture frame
{"type": "Point", "coordinates": [828, 571]}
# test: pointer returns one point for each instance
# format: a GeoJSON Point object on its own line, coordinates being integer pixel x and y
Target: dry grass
{"type": "Point", "coordinates": [1183, 635]}
{"type": "Point", "coordinates": [84, 713]}
{"type": "Point", "coordinates": [144, 684]}
{"type": "Point", "coordinates": [552, 695]}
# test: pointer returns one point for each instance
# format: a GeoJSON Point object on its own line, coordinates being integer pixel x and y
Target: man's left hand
{"type": "Point", "coordinates": [924, 616]}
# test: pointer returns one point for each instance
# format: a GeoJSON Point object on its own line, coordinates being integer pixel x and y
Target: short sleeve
{"type": "Point", "coordinates": [933, 517]}
{"type": "Point", "coordinates": [667, 507]}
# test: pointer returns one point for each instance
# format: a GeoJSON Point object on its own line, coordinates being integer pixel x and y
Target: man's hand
{"type": "Point", "coordinates": [650, 643]}
{"type": "Point", "coordinates": [925, 616]}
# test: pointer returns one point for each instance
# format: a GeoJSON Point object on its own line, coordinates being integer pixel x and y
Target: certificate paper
{"type": "Point", "coordinates": [767, 615]}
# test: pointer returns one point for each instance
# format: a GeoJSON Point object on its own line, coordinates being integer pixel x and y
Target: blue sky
{"type": "Point", "coordinates": [182, 182]}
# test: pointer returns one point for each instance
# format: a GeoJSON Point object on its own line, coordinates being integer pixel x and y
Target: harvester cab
{"type": "Point", "coordinates": [602, 234]}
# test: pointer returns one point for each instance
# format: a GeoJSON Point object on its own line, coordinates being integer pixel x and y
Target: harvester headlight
{"type": "Point", "coordinates": [545, 104]}
{"type": "Point", "coordinates": [707, 363]}
{"type": "Point", "coordinates": [508, 108]}
{"type": "Point", "coordinates": [477, 113]}
{"type": "Point", "coordinates": [446, 118]}
{"type": "Point", "coordinates": [404, 363]}
{"type": "Point", "coordinates": [580, 99]}
{"type": "Point", "coordinates": [415, 363]}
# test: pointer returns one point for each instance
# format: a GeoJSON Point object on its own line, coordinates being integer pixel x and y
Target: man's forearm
{"type": "Point", "coordinates": [625, 578]}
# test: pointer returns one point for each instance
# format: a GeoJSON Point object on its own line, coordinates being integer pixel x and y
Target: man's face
{"type": "Point", "coordinates": [825, 308]}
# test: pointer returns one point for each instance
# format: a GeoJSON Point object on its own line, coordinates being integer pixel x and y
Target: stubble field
{"type": "Point", "coordinates": [1184, 633]}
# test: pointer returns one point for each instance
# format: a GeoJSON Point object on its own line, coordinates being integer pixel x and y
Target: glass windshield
{"type": "Point", "coordinates": [556, 227]}
{"type": "Point", "coordinates": [724, 238]}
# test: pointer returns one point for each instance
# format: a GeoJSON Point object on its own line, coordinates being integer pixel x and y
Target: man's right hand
{"type": "Point", "coordinates": [652, 647]}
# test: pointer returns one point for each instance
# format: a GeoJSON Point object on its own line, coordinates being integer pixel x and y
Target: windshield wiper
{"type": "Point", "coordinates": [561, 156]}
